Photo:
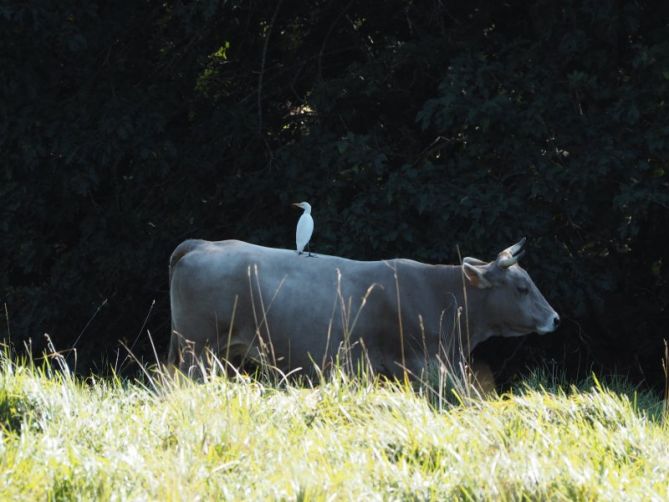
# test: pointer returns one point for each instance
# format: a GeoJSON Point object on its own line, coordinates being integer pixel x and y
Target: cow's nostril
{"type": "Point", "coordinates": [556, 321]}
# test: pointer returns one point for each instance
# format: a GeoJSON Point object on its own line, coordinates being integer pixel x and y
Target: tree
{"type": "Point", "coordinates": [409, 127]}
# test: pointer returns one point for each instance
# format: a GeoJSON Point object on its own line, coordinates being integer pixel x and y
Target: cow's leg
{"type": "Point", "coordinates": [194, 338]}
{"type": "Point", "coordinates": [191, 359]}
{"type": "Point", "coordinates": [484, 378]}
{"type": "Point", "coordinates": [173, 357]}
{"type": "Point", "coordinates": [411, 369]}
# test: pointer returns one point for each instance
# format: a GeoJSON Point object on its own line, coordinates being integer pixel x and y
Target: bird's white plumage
{"type": "Point", "coordinates": [305, 227]}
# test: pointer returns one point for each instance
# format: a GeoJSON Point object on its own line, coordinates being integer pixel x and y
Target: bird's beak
{"type": "Point", "coordinates": [296, 204]}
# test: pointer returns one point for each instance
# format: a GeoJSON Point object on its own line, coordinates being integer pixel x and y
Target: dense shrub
{"type": "Point", "coordinates": [410, 127]}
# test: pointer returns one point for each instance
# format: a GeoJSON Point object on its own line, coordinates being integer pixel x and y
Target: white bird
{"type": "Point", "coordinates": [305, 227]}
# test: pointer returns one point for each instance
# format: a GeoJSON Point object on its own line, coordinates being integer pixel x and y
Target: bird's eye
{"type": "Point", "coordinates": [523, 290]}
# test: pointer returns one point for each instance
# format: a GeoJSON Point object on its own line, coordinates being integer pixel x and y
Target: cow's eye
{"type": "Point", "coordinates": [523, 290]}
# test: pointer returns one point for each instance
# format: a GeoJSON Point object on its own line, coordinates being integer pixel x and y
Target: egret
{"type": "Point", "coordinates": [305, 227]}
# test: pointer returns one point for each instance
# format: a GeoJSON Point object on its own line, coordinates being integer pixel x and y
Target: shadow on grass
{"type": "Point", "coordinates": [642, 401]}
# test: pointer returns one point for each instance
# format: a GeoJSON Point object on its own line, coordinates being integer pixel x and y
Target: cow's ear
{"type": "Point", "coordinates": [476, 275]}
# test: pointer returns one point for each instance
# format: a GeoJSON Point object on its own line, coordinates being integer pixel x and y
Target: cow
{"type": "Point", "coordinates": [249, 303]}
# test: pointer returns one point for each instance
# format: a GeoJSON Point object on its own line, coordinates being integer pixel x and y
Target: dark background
{"type": "Point", "coordinates": [128, 126]}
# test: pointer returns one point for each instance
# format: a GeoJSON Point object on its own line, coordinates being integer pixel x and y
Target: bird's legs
{"type": "Point", "coordinates": [309, 255]}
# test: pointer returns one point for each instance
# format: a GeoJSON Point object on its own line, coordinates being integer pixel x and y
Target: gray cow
{"type": "Point", "coordinates": [246, 302]}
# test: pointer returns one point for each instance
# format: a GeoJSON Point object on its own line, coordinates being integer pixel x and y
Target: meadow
{"type": "Point", "coordinates": [237, 438]}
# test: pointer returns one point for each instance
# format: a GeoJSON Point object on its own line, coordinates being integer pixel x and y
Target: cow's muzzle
{"type": "Point", "coordinates": [550, 325]}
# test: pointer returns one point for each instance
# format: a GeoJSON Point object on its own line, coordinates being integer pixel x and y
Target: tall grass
{"type": "Point", "coordinates": [63, 438]}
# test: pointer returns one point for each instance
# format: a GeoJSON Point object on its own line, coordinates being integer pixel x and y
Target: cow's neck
{"type": "Point", "coordinates": [478, 314]}
{"type": "Point", "coordinates": [471, 299]}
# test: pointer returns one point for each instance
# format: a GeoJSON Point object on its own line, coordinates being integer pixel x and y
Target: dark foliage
{"type": "Point", "coordinates": [126, 127]}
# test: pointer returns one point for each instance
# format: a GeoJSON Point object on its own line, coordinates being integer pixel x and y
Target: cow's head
{"type": "Point", "coordinates": [512, 304]}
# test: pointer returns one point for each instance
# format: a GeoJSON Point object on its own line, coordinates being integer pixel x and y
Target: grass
{"type": "Point", "coordinates": [238, 439]}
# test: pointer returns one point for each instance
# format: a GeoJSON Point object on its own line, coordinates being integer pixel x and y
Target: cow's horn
{"type": "Point", "coordinates": [511, 254]}
{"type": "Point", "coordinates": [519, 248]}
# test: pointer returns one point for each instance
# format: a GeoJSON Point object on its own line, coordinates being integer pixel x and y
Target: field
{"type": "Point", "coordinates": [238, 439]}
